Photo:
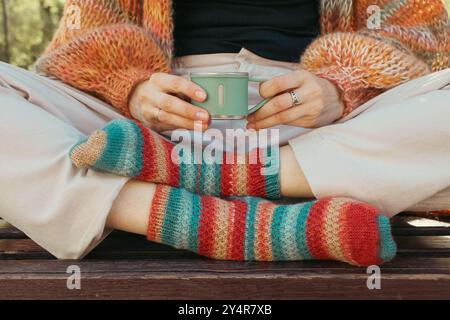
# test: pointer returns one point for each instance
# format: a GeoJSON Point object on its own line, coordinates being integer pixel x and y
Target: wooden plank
{"type": "Point", "coordinates": [420, 265]}
{"type": "Point", "coordinates": [137, 247]}
{"type": "Point", "coordinates": [126, 246]}
{"type": "Point", "coordinates": [412, 278]}
{"type": "Point", "coordinates": [201, 288]}
{"type": "Point", "coordinates": [428, 215]}
{"type": "Point", "coordinates": [421, 231]}
{"type": "Point", "coordinates": [7, 231]}
{"type": "Point", "coordinates": [127, 266]}
{"type": "Point", "coordinates": [402, 225]}
{"type": "Point", "coordinates": [406, 224]}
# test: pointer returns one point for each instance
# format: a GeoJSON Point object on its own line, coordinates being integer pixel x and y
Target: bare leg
{"type": "Point", "coordinates": [293, 181]}
{"type": "Point", "coordinates": [131, 208]}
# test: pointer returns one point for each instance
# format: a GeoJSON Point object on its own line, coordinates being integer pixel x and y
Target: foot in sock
{"type": "Point", "coordinates": [127, 148]}
{"type": "Point", "coordinates": [253, 229]}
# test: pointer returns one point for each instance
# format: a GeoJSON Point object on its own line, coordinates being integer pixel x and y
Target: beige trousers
{"type": "Point", "coordinates": [393, 152]}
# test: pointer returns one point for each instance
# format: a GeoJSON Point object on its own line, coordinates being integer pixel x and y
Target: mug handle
{"type": "Point", "coordinates": [262, 103]}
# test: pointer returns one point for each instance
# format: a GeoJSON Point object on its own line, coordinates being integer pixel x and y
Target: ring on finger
{"type": "Point", "coordinates": [296, 100]}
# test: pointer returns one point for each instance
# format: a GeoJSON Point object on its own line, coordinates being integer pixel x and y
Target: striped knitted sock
{"type": "Point", "coordinates": [127, 148]}
{"type": "Point", "coordinates": [253, 229]}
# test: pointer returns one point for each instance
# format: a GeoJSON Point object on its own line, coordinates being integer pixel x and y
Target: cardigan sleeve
{"type": "Point", "coordinates": [107, 54]}
{"type": "Point", "coordinates": [412, 40]}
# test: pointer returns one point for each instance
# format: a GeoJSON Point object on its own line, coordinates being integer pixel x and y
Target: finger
{"type": "Point", "coordinates": [274, 106]}
{"type": "Point", "coordinates": [179, 122]}
{"type": "Point", "coordinates": [284, 117]}
{"type": "Point", "coordinates": [175, 105]}
{"type": "Point", "coordinates": [278, 104]}
{"type": "Point", "coordinates": [162, 118]}
{"type": "Point", "coordinates": [283, 83]}
{"type": "Point", "coordinates": [182, 96]}
{"type": "Point", "coordinates": [176, 84]}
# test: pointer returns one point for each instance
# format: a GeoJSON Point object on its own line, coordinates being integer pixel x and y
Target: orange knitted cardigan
{"type": "Point", "coordinates": [107, 47]}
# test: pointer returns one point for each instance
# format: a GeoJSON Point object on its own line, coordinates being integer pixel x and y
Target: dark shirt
{"type": "Point", "coordinates": [274, 29]}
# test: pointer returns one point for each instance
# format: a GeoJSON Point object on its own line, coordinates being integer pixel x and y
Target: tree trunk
{"type": "Point", "coordinates": [46, 17]}
{"type": "Point", "coordinates": [7, 49]}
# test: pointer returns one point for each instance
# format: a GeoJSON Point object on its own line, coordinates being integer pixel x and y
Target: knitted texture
{"type": "Point", "coordinates": [127, 148]}
{"type": "Point", "coordinates": [120, 43]}
{"type": "Point", "coordinates": [411, 40]}
{"type": "Point", "coordinates": [252, 229]}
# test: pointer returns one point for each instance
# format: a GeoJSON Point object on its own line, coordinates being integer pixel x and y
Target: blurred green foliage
{"type": "Point", "coordinates": [31, 25]}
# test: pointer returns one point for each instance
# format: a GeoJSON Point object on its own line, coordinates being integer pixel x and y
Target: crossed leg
{"type": "Point", "coordinates": [253, 229]}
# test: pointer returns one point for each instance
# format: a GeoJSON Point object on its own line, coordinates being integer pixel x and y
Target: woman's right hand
{"type": "Point", "coordinates": [160, 103]}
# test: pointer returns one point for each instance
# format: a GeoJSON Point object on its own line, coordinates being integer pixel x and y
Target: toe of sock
{"type": "Point", "coordinates": [76, 153]}
{"type": "Point", "coordinates": [388, 247]}
{"type": "Point", "coordinates": [365, 235]}
{"type": "Point", "coordinates": [86, 152]}
{"type": "Point", "coordinates": [116, 149]}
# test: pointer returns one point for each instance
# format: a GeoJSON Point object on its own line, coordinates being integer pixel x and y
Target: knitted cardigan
{"type": "Point", "coordinates": [107, 47]}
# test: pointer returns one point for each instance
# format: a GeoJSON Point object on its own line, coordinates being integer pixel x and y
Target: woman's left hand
{"type": "Point", "coordinates": [320, 102]}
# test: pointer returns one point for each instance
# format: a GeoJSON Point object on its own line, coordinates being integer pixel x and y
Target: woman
{"type": "Point", "coordinates": [136, 56]}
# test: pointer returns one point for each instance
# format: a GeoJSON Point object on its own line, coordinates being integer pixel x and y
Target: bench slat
{"type": "Point", "coordinates": [137, 247]}
{"type": "Point", "coordinates": [205, 279]}
{"type": "Point", "coordinates": [128, 266]}
{"type": "Point", "coordinates": [38, 268]}
{"type": "Point", "coordinates": [404, 224]}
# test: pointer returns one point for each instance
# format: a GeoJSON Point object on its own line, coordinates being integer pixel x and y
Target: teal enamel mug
{"type": "Point", "coordinates": [227, 94]}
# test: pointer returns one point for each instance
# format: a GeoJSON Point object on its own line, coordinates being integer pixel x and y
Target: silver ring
{"type": "Point", "coordinates": [295, 99]}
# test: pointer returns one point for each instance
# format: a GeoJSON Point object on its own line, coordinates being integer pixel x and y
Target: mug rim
{"type": "Point", "coordinates": [219, 74]}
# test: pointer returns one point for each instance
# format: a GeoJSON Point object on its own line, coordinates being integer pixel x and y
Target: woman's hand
{"type": "Point", "coordinates": [319, 98]}
{"type": "Point", "coordinates": [160, 103]}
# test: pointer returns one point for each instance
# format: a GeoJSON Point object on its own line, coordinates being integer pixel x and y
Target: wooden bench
{"type": "Point", "coordinates": [127, 266]}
